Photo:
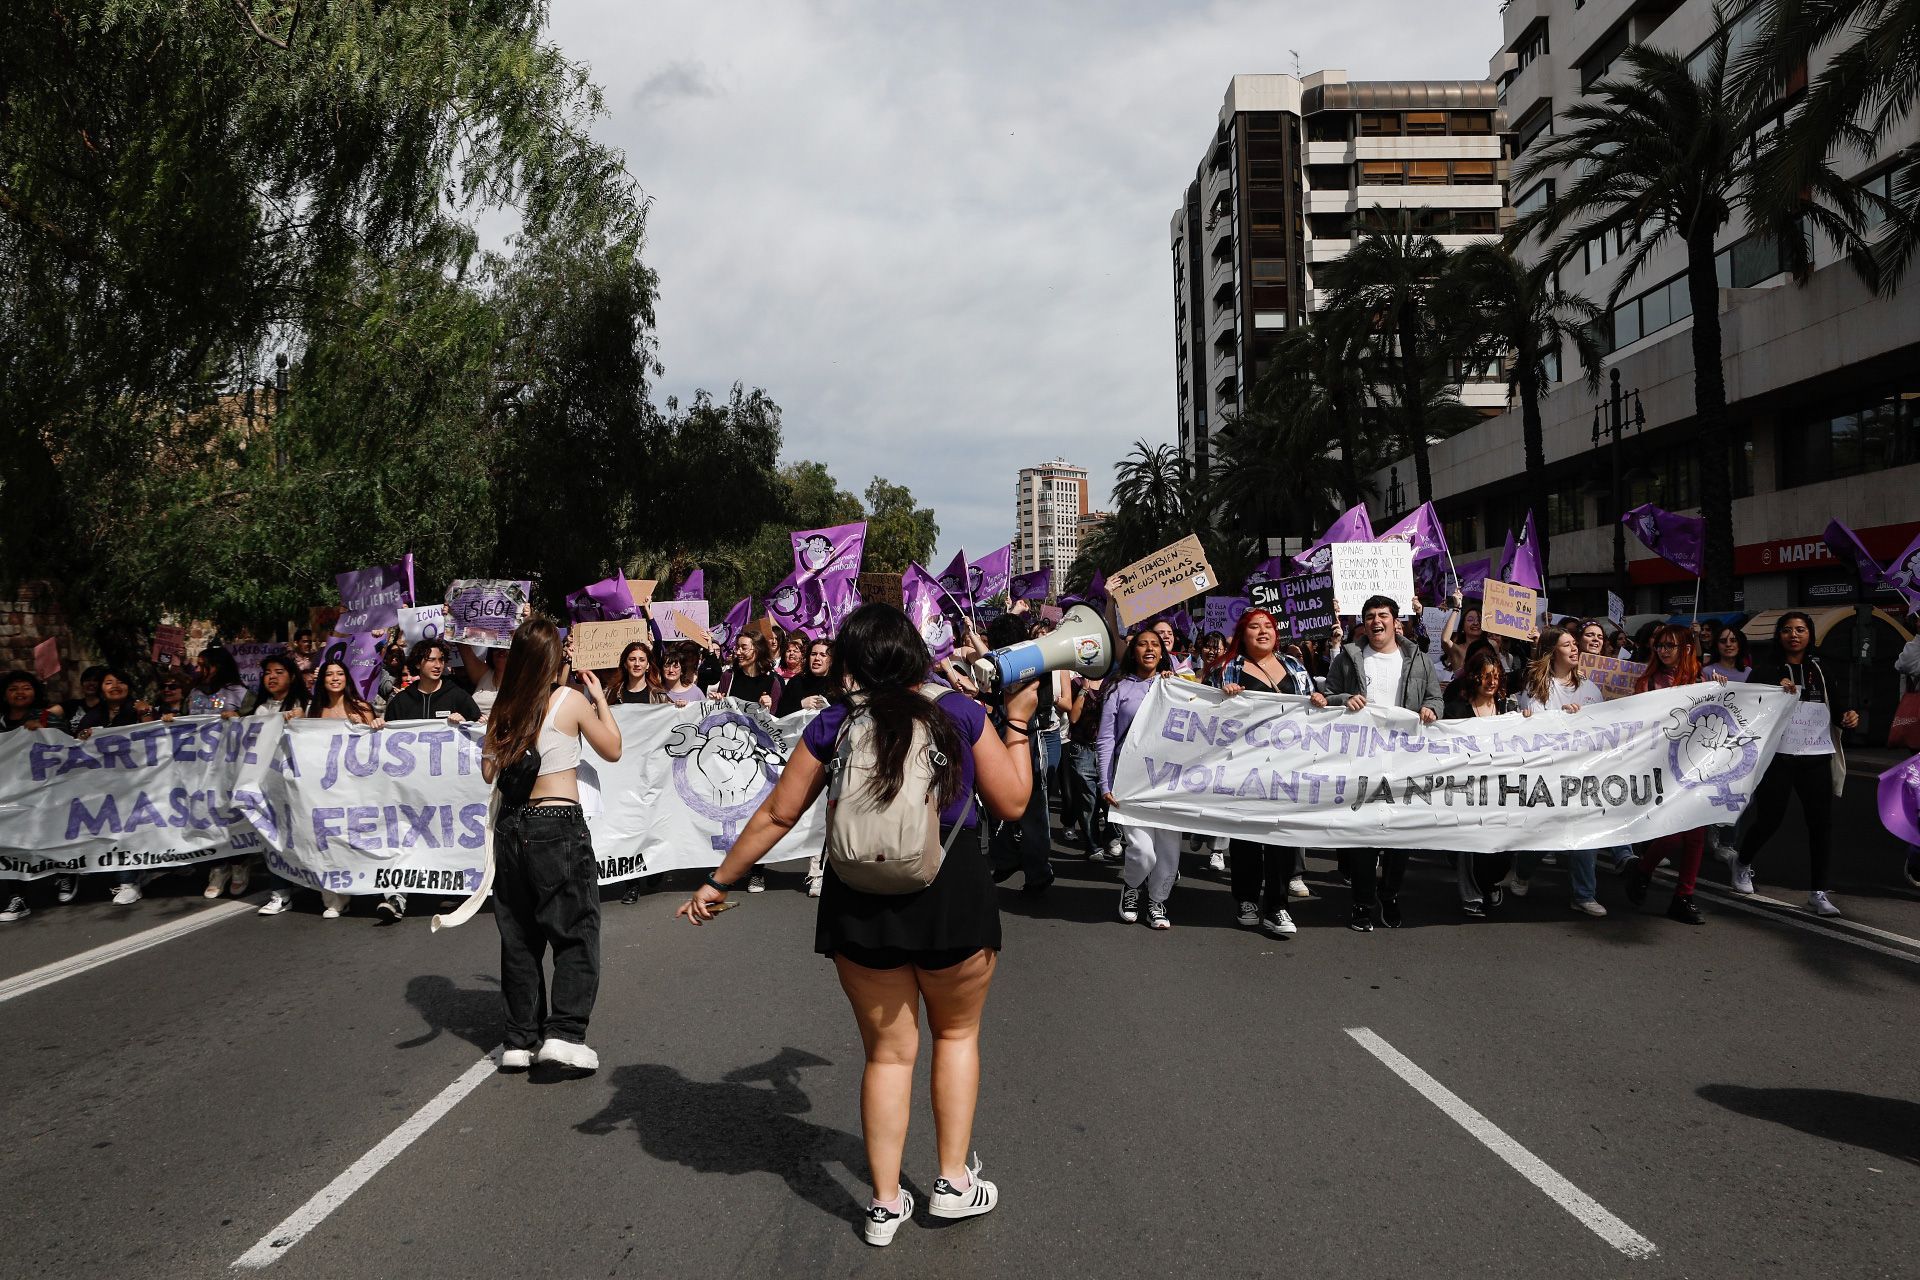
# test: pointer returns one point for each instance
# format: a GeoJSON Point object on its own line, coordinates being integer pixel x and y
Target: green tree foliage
{"type": "Point", "coordinates": [897, 530]}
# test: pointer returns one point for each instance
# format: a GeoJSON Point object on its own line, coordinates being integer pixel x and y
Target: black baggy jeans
{"type": "Point", "coordinates": [1810, 778]}
{"type": "Point", "coordinates": [1359, 866]}
{"type": "Point", "coordinates": [546, 896]}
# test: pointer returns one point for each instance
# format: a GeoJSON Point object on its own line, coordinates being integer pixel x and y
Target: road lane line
{"type": "Point", "coordinates": [48, 974]}
{"type": "Point", "coordinates": [1789, 914]}
{"type": "Point", "coordinates": [1591, 1213]}
{"type": "Point", "coordinates": [276, 1242]}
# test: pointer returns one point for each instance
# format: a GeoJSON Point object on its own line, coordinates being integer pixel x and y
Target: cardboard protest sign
{"type": "Point", "coordinates": [486, 610]}
{"type": "Point", "coordinates": [597, 645]}
{"type": "Point", "coordinates": [46, 658]}
{"type": "Point", "coordinates": [1614, 678]}
{"type": "Point", "coordinates": [1362, 570]}
{"type": "Point", "coordinates": [1507, 610]}
{"type": "Point", "coordinates": [1616, 609]}
{"type": "Point", "coordinates": [427, 622]}
{"type": "Point", "coordinates": [1157, 582]}
{"type": "Point", "coordinates": [169, 645]}
{"type": "Point", "coordinates": [1433, 621]}
{"type": "Point", "coordinates": [1305, 601]}
{"type": "Point", "coordinates": [680, 619]}
{"type": "Point", "coordinates": [881, 588]}
{"type": "Point", "coordinates": [372, 597]}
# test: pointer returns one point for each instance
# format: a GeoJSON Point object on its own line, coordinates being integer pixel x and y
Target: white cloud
{"type": "Point", "coordinates": [937, 234]}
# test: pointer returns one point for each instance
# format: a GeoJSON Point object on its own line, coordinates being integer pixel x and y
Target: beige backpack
{"type": "Point", "coordinates": [891, 847]}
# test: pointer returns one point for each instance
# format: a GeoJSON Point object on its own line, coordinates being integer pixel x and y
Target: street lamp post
{"type": "Point", "coordinates": [1615, 428]}
{"type": "Point", "coordinates": [1396, 492]}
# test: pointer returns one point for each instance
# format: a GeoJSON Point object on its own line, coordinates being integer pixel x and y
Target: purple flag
{"type": "Point", "coordinates": [692, 587]}
{"type": "Point", "coordinates": [1900, 800]}
{"type": "Point", "coordinates": [931, 610]}
{"type": "Point", "coordinates": [608, 600]}
{"type": "Point", "coordinates": [1353, 526]}
{"type": "Point", "coordinates": [988, 576]}
{"type": "Point", "coordinates": [1272, 569]}
{"type": "Point", "coordinates": [842, 597]}
{"type": "Point", "coordinates": [1094, 597]}
{"type": "Point", "coordinates": [1474, 574]}
{"type": "Point", "coordinates": [1675, 539]}
{"type": "Point", "coordinates": [360, 653]}
{"type": "Point", "coordinates": [1903, 574]}
{"type": "Point", "coordinates": [1521, 563]}
{"type": "Point", "coordinates": [799, 605]}
{"type": "Point", "coordinates": [953, 580]}
{"type": "Point", "coordinates": [372, 598]}
{"type": "Point", "coordinates": [1422, 529]}
{"type": "Point", "coordinates": [1848, 549]}
{"type": "Point", "coordinates": [733, 624]}
{"type": "Point", "coordinates": [834, 552]}
{"type": "Point", "coordinates": [1037, 585]}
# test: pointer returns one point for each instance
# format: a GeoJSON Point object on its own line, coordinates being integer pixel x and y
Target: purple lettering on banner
{"type": "Point", "coordinates": [371, 598]}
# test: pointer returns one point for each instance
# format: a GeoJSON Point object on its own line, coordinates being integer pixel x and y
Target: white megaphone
{"type": "Point", "coordinates": [1080, 643]}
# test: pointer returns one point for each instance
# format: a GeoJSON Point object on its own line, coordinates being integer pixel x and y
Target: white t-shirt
{"type": "Point", "coordinates": [1584, 694]}
{"type": "Point", "coordinates": [1381, 672]}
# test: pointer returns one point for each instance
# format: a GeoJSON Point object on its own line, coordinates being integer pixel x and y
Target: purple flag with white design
{"type": "Point", "coordinates": [931, 610]}
{"type": "Point", "coordinates": [1521, 564]}
{"type": "Point", "coordinates": [988, 576]}
{"type": "Point", "coordinates": [1037, 585]}
{"type": "Point", "coordinates": [953, 580]}
{"type": "Point", "coordinates": [841, 596]}
{"type": "Point", "coordinates": [1353, 526]}
{"type": "Point", "coordinates": [1903, 574]}
{"type": "Point", "coordinates": [1272, 569]}
{"type": "Point", "coordinates": [1900, 800]}
{"type": "Point", "coordinates": [359, 652]}
{"type": "Point", "coordinates": [833, 552]}
{"type": "Point", "coordinates": [799, 605]}
{"type": "Point", "coordinates": [1676, 539]}
{"type": "Point", "coordinates": [608, 600]}
{"type": "Point", "coordinates": [1848, 549]}
{"type": "Point", "coordinates": [1474, 574]}
{"type": "Point", "coordinates": [372, 598]}
{"type": "Point", "coordinates": [692, 587]}
{"type": "Point", "coordinates": [733, 624]}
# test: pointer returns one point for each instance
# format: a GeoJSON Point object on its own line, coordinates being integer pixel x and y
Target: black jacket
{"type": "Point", "coordinates": [411, 704]}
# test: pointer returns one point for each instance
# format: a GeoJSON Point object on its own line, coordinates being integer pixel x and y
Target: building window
{"type": "Point", "coordinates": [1865, 437]}
{"type": "Point", "coordinates": [1471, 122]}
{"type": "Point", "coordinates": [1382, 173]}
{"type": "Point", "coordinates": [1269, 268]}
{"type": "Point", "coordinates": [1566, 512]}
{"type": "Point", "coordinates": [1532, 43]}
{"type": "Point", "coordinates": [1426, 123]}
{"type": "Point", "coordinates": [1427, 173]}
{"type": "Point", "coordinates": [1537, 197]}
{"type": "Point", "coordinates": [1537, 122]}
{"type": "Point", "coordinates": [1600, 62]}
{"type": "Point", "coordinates": [1379, 124]}
{"type": "Point", "coordinates": [1473, 173]}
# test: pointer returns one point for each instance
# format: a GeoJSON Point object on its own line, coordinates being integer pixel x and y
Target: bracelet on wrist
{"type": "Point", "coordinates": [1020, 726]}
{"type": "Point", "coordinates": [721, 885]}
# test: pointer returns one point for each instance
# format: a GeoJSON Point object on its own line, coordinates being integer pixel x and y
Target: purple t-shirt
{"type": "Point", "coordinates": [968, 716]}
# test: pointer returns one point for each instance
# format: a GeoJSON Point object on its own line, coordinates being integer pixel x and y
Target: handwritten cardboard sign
{"type": "Point", "coordinates": [1616, 609]}
{"type": "Point", "coordinates": [681, 619]}
{"type": "Point", "coordinates": [1156, 583]}
{"type": "Point", "coordinates": [1222, 614]}
{"type": "Point", "coordinates": [486, 610]}
{"type": "Point", "coordinates": [169, 645]}
{"type": "Point", "coordinates": [46, 658]}
{"type": "Point", "coordinates": [1507, 610]}
{"type": "Point", "coordinates": [1614, 677]}
{"type": "Point", "coordinates": [881, 588]}
{"type": "Point", "coordinates": [1362, 570]}
{"type": "Point", "coordinates": [427, 622]}
{"type": "Point", "coordinates": [597, 645]}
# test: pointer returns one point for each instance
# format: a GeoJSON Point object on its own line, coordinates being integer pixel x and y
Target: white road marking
{"type": "Point", "coordinates": [48, 974]}
{"type": "Point", "coordinates": [1591, 1213]}
{"type": "Point", "coordinates": [276, 1242]}
{"type": "Point", "coordinates": [1789, 914]}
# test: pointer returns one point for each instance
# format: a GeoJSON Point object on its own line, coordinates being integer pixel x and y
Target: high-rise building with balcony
{"type": "Point", "coordinates": [1296, 167]}
{"type": "Point", "coordinates": [1048, 502]}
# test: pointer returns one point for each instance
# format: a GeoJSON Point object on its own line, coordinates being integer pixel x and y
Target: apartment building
{"type": "Point", "coordinates": [1049, 502]}
{"type": "Point", "coordinates": [1295, 168]}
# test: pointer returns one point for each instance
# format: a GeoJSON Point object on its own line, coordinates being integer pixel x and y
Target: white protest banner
{"type": "Point", "coordinates": [1507, 610]}
{"type": "Point", "coordinates": [1160, 581]}
{"type": "Point", "coordinates": [1614, 677]}
{"type": "Point", "coordinates": [681, 620]}
{"type": "Point", "coordinates": [354, 810]}
{"type": "Point", "coordinates": [1365, 569]}
{"type": "Point", "coordinates": [427, 622]}
{"type": "Point", "coordinates": [1269, 767]}
{"type": "Point", "coordinates": [597, 645]}
{"type": "Point", "coordinates": [1616, 609]}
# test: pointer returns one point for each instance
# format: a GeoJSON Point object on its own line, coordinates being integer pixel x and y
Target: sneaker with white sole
{"type": "Point", "coordinates": [16, 909]}
{"type": "Point", "coordinates": [237, 885]}
{"type": "Point", "coordinates": [1280, 925]}
{"type": "Point", "coordinates": [1249, 914]}
{"type": "Point", "coordinates": [331, 913]}
{"type": "Point", "coordinates": [970, 1201]}
{"type": "Point", "coordinates": [125, 895]}
{"type": "Point", "coordinates": [1513, 884]}
{"type": "Point", "coordinates": [66, 889]}
{"type": "Point", "coordinates": [1157, 914]}
{"type": "Point", "coordinates": [757, 883]}
{"type": "Point", "coordinates": [568, 1054]}
{"type": "Point", "coordinates": [1297, 888]}
{"type": "Point", "coordinates": [393, 906]}
{"type": "Point", "coordinates": [516, 1059]}
{"type": "Point", "coordinates": [276, 904]}
{"type": "Point", "coordinates": [1820, 904]}
{"type": "Point", "coordinates": [1590, 908]}
{"type": "Point", "coordinates": [1742, 877]}
{"type": "Point", "coordinates": [813, 886]}
{"type": "Point", "coordinates": [1130, 896]}
{"type": "Point", "coordinates": [216, 881]}
{"type": "Point", "coordinates": [1217, 863]}
{"type": "Point", "coordinates": [883, 1224]}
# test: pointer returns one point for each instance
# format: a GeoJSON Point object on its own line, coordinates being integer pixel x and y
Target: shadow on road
{"type": "Point", "coordinates": [474, 1015]}
{"type": "Point", "coordinates": [736, 1127]}
{"type": "Point", "coordinates": [1890, 1126]}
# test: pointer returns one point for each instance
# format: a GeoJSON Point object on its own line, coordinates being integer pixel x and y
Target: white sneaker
{"type": "Point", "coordinates": [568, 1054]}
{"type": "Point", "coordinates": [1249, 914]}
{"type": "Point", "coordinates": [216, 881]}
{"type": "Point", "coordinates": [1590, 908]}
{"type": "Point", "coordinates": [125, 895]}
{"type": "Point", "coordinates": [1742, 877]}
{"type": "Point", "coordinates": [16, 909]}
{"type": "Point", "coordinates": [1113, 848]}
{"type": "Point", "coordinates": [813, 886]}
{"type": "Point", "coordinates": [276, 904]}
{"type": "Point", "coordinates": [1297, 888]}
{"type": "Point", "coordinates": [238, 884]}
{"type": "Point", "coordinates": [1820, 904]}
{"type": "Point", "coordinates": [516, 1059]}
{"type": "Point", "coordinates": [968, 1202]}
{"type": "Point", "coordinates": [1216, 863]}
{"type": "Point", "coordinates": [1280, 925]}
{"type": "Point", "coordinates": [884, 1224]}
{"type": "Point", "coordinates": [757, 883]}
{"type": "Point", "coordinates": [1129, 903]}
{"type": "Point", "coordinates": [65, 889]}
{"type": "Point", "coordinates": [1513, 884]}
{"type": "Point", "coordinates": [331, 913]}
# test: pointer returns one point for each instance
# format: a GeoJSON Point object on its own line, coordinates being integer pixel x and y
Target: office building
{"type": "Point", "coordinates": [1049, 501]}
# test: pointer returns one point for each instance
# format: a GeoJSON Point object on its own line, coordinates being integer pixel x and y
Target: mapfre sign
{"type": "Point", "coordinates": [1787, 555]}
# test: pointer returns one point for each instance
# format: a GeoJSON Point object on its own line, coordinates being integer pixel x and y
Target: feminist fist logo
{"type": "Point", "coordinates": [976, 580]}
{"type": "Point", "coordinates": [937, 631]}
{"type": "Point", "coordinates": [1711, 748]}
{"type": "Point", "coordinates": [1649, 530]}
{"type": "Point", "coordinates": [816, 552]}
{"type": "Point", "coordinates": [734, 764]}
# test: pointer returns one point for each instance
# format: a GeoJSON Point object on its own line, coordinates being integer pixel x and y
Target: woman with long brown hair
{"type": "Point", "coordinates": [546, 891]}
{"type": "Point", "coordinates": [635, 677]}
{"type": "Point", "coordinates": [1673, 660]}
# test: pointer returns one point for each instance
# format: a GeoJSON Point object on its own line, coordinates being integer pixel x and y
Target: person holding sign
{"type": "Point", "coordinates": [1675, 661]}
{"type": "Point", "coordinates": [1153, 854]}
{"type": "Point", "coordinates": [1554, 684]}
{"type": "Point", "coordinates": [1260, 873]}
{"type": "Point", "coordinates": [1807, 764]}
{"type": "Point", "coordinates": [1381, 667]}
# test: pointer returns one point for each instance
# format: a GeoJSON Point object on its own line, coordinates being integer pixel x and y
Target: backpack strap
{"type": "Point", "coordinates": [936, 695]}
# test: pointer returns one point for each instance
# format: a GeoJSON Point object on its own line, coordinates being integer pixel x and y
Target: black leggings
{"type": "Point", "coordinates": [1810, 778]}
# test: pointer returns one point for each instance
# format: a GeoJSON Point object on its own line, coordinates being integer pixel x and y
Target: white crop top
{"type": "Point", "coordinates": [558, 751]}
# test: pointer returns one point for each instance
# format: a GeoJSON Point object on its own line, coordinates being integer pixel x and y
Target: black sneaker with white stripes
{"type": "Point", "coordinates": [882, 1224]}
{"type": "Point", "coordinates": [978, 1197]}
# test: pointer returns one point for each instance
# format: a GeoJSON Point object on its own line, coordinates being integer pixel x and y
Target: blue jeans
{"type": "Point", "coordinates": [1083, 762]}
{"type": "Point", "coordinates": [1580, 870]}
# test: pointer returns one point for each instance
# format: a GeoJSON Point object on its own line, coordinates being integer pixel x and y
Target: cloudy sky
{"type": "Point", "coordinates": [936, 233]}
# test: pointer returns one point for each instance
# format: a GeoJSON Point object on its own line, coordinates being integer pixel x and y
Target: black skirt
{"type": "Point", "coordinates": [956, 913]}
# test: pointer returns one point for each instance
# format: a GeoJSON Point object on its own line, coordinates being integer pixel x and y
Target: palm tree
{"type": "Point", "coordinates": [1518, 314]}
{"type": "Point", "coordinates": [1870, 85]}
{"type": "Point", "coordinates": [1386, 281]}
{"type": "Point", "coordinates": [1678, 158]}
{"type": "Point", "coordinates": [1149, 483]}
{"type": "Point", "coordinates": [1321, 365]}
{"type": "Point", "coordinates": [1274, 472]}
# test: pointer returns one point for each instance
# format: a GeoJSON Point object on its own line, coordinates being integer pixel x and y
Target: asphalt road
{"type": "Point", "coordinates": [1742, 1096]}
